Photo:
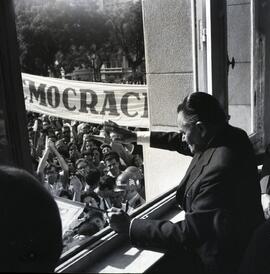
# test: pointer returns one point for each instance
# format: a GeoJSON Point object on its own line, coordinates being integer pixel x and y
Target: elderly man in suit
{"type": "Point", "coordinates": [220, 192]}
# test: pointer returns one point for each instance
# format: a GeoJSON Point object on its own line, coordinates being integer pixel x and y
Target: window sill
{"type": "Point", "coordinates": [115, 254]}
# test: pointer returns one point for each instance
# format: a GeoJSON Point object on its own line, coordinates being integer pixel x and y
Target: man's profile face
{"type": "Point", "coordinates": [96, 156]}
{"type": "Point", "coordinates": [115, 137]}
{"type": "Point", "coordinates": [190, 133]}
{"type": "Point", "coordinates": [66, 133]}
{"type": "Point", "coordinates": [113, 167]}
{"type": "Point", "coordinates": [86, 129]}
{"type": "Point", "coordinates": [51, 175]}
{"type": "Point", "coordinates": [121, 186]}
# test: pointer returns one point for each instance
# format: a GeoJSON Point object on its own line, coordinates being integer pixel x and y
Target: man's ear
{"type": "Point", "coordinates": [202, 128]}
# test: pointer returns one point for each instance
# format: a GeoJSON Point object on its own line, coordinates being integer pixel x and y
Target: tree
{"type": "Point", "coordinates": [56, 34]}
{"type": "Point", "coordinates": [127, 33]}
{"type": "Point", "coordinates": [37, 41]}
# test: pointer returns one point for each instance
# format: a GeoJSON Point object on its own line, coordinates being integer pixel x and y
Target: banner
{"type": "Point", "coordinates": [92, 102]}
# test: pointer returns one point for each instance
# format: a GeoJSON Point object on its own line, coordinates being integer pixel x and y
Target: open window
{"type": "Point", "coordinates": [230, 55]}
{"type": "Point", "coordinates": [186, 51]}
{"type": "Point", "coordinates": [246, 65]}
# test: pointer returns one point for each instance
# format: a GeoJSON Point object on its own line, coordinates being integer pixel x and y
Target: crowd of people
{"type": "Point", "coordinates": [81, 162]}
{"type": "Point", "coordinates": [223, 231]}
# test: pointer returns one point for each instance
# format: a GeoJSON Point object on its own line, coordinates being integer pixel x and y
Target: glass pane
{"type": "Point", "coordinates": [85, 42]}
{"type": "Point", "coordinates": [239, 77]}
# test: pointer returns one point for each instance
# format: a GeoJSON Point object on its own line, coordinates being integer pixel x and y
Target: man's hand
{"type": "Point", "coordinates": [76, 184]}
{"type": "Point", "coordinates": [35, 126]}
{"type": "Point", "coordinates": [50, 143]}
{"type": "Point", "coordinates": [124, 135]}
{"type": "Point", "coordinates": [119, 220]}
{"type": "Point", "coordinates": [85, 136]}
{"type": "Point", "coordinates": [265, 199]}
{"type": "Point", "coordinates": [74, 123]}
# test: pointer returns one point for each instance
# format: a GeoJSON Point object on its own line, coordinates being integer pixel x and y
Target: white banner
{"type": "Point", "coordinates": [87, 101]}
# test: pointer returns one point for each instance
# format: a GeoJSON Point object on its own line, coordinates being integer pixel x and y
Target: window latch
{"type": "Point", "coordinates": [230, 62]}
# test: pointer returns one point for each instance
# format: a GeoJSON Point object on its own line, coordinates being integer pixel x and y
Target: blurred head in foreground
{"type": "Point", "coordinates": [30, 228]}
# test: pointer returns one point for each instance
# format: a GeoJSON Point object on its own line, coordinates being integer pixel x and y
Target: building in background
{"type": "Point", "coordinates": [113, 50]}
{"type": "Point", "coordinates": [117, 69]}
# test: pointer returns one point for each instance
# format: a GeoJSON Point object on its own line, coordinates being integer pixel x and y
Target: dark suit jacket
{"type": "Point", "coordinates": [220, 194]}
{"type": "Point", "coordinates": [257, 256]}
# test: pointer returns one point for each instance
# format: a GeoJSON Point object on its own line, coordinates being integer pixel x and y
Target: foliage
{"type": "Point", "coordinates": [54, 34]}
{"type": "Point", "coordinates": [127, 26]}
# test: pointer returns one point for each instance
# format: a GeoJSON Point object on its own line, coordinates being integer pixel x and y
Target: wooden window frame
{"type": "Point", "coordinates": [11, 92]}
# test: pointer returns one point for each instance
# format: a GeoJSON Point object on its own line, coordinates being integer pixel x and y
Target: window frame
{"type": "Point", "coordinates": [107, 240]}
{"type": "Point", "coordinates": [11, 91]}
{"type": "Point", "coordinates": [257, 136]}
{"type": "Point", "coordinates": [213, 71]}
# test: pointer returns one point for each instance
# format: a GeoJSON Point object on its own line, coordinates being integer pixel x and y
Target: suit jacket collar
{"type": "Point", "coordinates": [200, 164]}
{"type": "Point", "coordinates": [191, 167]}
{"type": "Point", "coordinates": [183, 184]}
{"type": "Point", "coordinates": [200, 159]}
{"type": "Point", "coordinates": [196, 167]}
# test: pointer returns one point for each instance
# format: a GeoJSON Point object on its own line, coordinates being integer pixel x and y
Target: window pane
{"type": "Point", "coordinates": [239, 77]}
{"type": "Point", "coordinates": [92, 41]}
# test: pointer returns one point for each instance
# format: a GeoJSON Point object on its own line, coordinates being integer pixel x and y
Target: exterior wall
{"type": "Point", "coordinates": [239, 78]}
{"type": "Point", "coordinates": [169, 59]}
{"type": "Point", "coordinates": [168, 47]}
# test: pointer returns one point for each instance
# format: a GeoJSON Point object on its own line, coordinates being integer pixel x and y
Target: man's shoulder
{"type": "Point", "coordinates": [234, 146]}
{"type": "Point", "coordinates": [237, 133]}
{"type": "Point", "coordinates": [232, 140]}
{"type": "Point", "coordinates": [217, 161]}
{"type": "Point", "coordinates": [223, 154]}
